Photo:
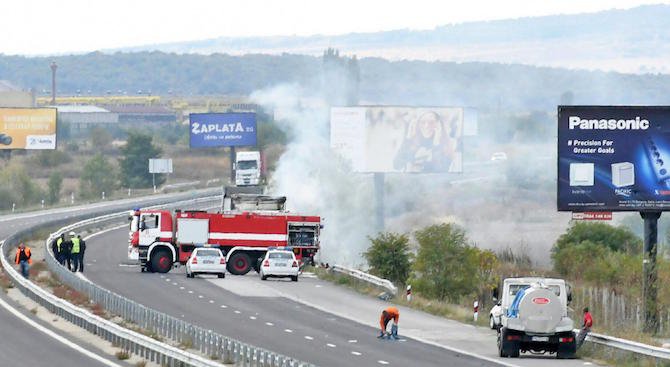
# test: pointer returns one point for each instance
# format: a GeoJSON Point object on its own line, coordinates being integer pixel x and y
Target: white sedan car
{"type": "Point", "coordinates": [204, 260]}
{"type": "Point", "coordinates": [494, 316]}
{"type": "Point", "coordinates": [280, 264]}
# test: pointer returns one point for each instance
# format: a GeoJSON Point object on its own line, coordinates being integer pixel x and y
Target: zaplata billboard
{"type": "Point", "coordinates": [613, 158]}
{"type": "Point", "coordinates": [222, 129]}
{"type": "Point", "coordinates": [399, 139]}
{"type": "Point", "coordinates": [28, 128]}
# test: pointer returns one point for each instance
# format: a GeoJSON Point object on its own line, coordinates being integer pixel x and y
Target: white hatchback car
{"type": "Point", "coordinates": [206, 260]}
{"type": "Point", "coordinates": [280, 264]}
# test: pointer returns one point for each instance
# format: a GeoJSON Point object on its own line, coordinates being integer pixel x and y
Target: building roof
{"type": "Point", "coordinates": [139, 109]}
{"type": "Point", "coordinates": [80, 109]}
{"type": "Point", "coordinates": [6, 86]}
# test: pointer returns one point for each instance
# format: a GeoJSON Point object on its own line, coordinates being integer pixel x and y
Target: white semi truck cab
{"type": "Point", "coordinates": [535, 318]}
{"type": "Point", "coordinates": [248, 168]}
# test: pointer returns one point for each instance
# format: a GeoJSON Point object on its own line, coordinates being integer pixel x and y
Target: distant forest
{"type": "Point", "coordinates": [486, 86]}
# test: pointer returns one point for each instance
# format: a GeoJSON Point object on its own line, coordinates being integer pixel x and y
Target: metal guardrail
{"type": "Point", "coordinates": [369, 278]}
{"type": "Point", "coordinates": [628, 345]}
{"type": "Point", "coordinates": [209, 343]}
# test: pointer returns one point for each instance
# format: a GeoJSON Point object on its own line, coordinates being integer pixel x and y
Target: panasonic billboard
{"type": "Point", "coordinates": [613, 158]}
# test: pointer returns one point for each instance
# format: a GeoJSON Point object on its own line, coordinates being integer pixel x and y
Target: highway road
{"type": "Point", "coordinates": [24, 344]}
{"type": "Point", "coordinates": [265, 314]}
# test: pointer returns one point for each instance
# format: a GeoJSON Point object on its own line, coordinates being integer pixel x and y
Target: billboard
{"type": "Point", "coordinates": [613, 158]}
{"type": "Point", "coordinates": [222, 129]}
{"type": "Point", "coordinates": [28, 128]}
{"type": "Point", "coordinates": [158, 165]}
{"type": "Point", "coordinates": [399, 139]}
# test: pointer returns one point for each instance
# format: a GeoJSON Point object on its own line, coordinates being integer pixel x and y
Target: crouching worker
{"type": "Point", "coordinates": [389, 314]}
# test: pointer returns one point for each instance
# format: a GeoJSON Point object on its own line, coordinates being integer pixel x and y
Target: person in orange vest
{"type": "Point", "coordinates": [23, 259]}
{"type": "Point", "coordinates": [390, 313]}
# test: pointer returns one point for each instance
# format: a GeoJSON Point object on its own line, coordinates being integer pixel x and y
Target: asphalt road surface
{"type": "Point", "coordinates": [257, 317]}
{"type": "Point", "coordinates": [319, 329]}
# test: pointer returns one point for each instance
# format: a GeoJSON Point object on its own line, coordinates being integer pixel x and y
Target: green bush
{"type": "Point", "coordinates": [97, 176]}
{"type": "Point", "coordinates": [446, 264]}
{"type": "Point", "coordinates": [51, 158]}
{"type": "Point", "coordinates": [389, 257]}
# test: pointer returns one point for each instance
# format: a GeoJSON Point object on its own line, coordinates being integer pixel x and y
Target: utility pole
{"type": "Point", "coordinates": [53, 82]}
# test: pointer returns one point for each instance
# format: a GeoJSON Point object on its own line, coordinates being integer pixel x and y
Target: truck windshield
{"type": "Point", "coordinates": [246, 165]}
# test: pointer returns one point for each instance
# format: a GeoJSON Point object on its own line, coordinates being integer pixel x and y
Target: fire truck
{"type": "Point", "coordinates": [160, 239]}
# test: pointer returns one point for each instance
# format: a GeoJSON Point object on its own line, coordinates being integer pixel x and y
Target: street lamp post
{"type": "Point", "coordinates": [53, 82]}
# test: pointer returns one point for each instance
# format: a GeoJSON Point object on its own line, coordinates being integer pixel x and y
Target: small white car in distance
{"type": "Point", "coordinates": [279, 264]}
{"type": "Point", "coordinates": [498, 156]}
{"type": "Point", "coordinates": [206, 260]}
{"type": "Point", "coordinates": [494, 316]}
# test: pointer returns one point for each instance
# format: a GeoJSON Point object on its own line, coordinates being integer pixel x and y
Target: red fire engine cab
{"type": "Point", "coordinates": [160, 239]}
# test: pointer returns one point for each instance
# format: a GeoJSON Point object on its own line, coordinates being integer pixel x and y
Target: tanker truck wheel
{"type": "Point", "coordinates": [567, 350]}
{"type": "Point", "coordinates": [161, 261]}
{"type": "Point", "coordinates": [507, 348]}
{"type": "Point", "coordinates": [239, 263]}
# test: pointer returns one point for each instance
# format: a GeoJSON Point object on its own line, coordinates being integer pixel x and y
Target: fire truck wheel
{"type": "Point", "coordinates": [239, 263]}
{"type": "Point", "coordinates": [161, 261]}
{"type": "Point", "coordinates": [294, 278]}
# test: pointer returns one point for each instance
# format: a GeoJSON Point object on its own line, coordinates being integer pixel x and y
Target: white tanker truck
{"type": "Point", "coordinates": [535, 318]}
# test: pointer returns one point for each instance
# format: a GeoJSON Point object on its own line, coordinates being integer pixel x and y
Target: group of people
{"type": "Point", "coordinates": [70, 251]}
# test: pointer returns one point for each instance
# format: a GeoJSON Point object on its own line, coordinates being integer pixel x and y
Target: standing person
{"type": "Point", "coordinates": [586, 327]}
{"type": "Point", "coordinates": [74, 252]}
{"type": "Point", "coordinates": [23, 259]}
{"type": "Point", "coordinates": [67, 251]}
{"type": "Point", "coordinates": [82, 250]}
{"type": "Point", "coordinates": [391, 313]}
{"type": "Point", "coordinates": [57, 248]}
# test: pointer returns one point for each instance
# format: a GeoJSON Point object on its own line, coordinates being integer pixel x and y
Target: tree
{"type": "Point", "coordinates": [55, 184]}
{"type": "Point", "coordinates": [136, 153]}
{"type": "Point", "coordinates": [98, 176]}
{"type": "Point", "coordinates": [389, 257]}
{"type": "Point", "coordinates": [447, 266]}
{"type": "Point", "coordinates": [100, 138]}
{"type": "Point", "coordinates": [15, 180]}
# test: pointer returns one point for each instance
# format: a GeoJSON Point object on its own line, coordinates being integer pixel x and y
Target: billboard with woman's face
{"type": "Point", "coordinates": [399, 139]}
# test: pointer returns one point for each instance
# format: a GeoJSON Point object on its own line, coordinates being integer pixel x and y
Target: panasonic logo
{"type": "Point", "coordinates": [608, 124]}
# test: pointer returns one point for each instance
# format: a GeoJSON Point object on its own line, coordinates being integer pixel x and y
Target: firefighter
{"type": "Point", "coordinates": [390, 313]}
{"type": "Point", "coordinates": [23, 259]}
{"type": "Point", "coordinates": [75, 251]}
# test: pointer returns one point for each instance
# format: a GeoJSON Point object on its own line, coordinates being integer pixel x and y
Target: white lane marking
{"type": "Point", "coordinates": [356, 353]}
{"type": "Point", "coordinates": [182, 288]}
{"type": "Point", "coordinates": [353, 341]}
{"type": "Point", "coordinates": [331, 345]}
{"type": "Point", "coordinates": [252, 317]}
{"type": "Point", "coordinates": [211, 301]}
{"type": "Point", "coordinates": [126, 265]}
{"type": "Point", "coordinates": [269, 324]}
{"type": "Point", "coordinates": [318, 286]}
{"type": "Point", "coordinates": [174, 283]}
{"type": "Point", "coordinates": [190, 292]}
{"type": "Point", "coordinates": [224, 306]}
{"type": "Point", "coordinates": [382, 362]}
{"type": "Point", "coordinates": [167, 280]}
{"type": "Point", "coordinates": [237, 312]}
{"type": "Point", "coordinates": [200, 296]}
{"type": "Point", "coordinates": [587, 363]}
{"type": "Point", "coordinates": [288, 330]}
{"type": "Point", "coordinates": [308, 337]}
{"type": "Point", "coordinates": [162, 276]}
{"type": "Point", "coordinates": [59, 338]}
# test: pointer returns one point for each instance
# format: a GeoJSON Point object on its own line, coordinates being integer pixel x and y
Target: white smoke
{"type": "Point", "coordinates": [315, 180]}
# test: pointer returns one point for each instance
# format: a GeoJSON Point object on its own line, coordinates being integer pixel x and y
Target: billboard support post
{"type": "Point", "coordinates": [232, 165]}
{"type": "Point", "coordinates": [379, 196]}
{"type": "Point", "coordinates": [650, 275]}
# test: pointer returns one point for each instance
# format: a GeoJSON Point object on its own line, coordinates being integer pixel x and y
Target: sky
{"type": "Point", "coordinates": [44, 27]}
